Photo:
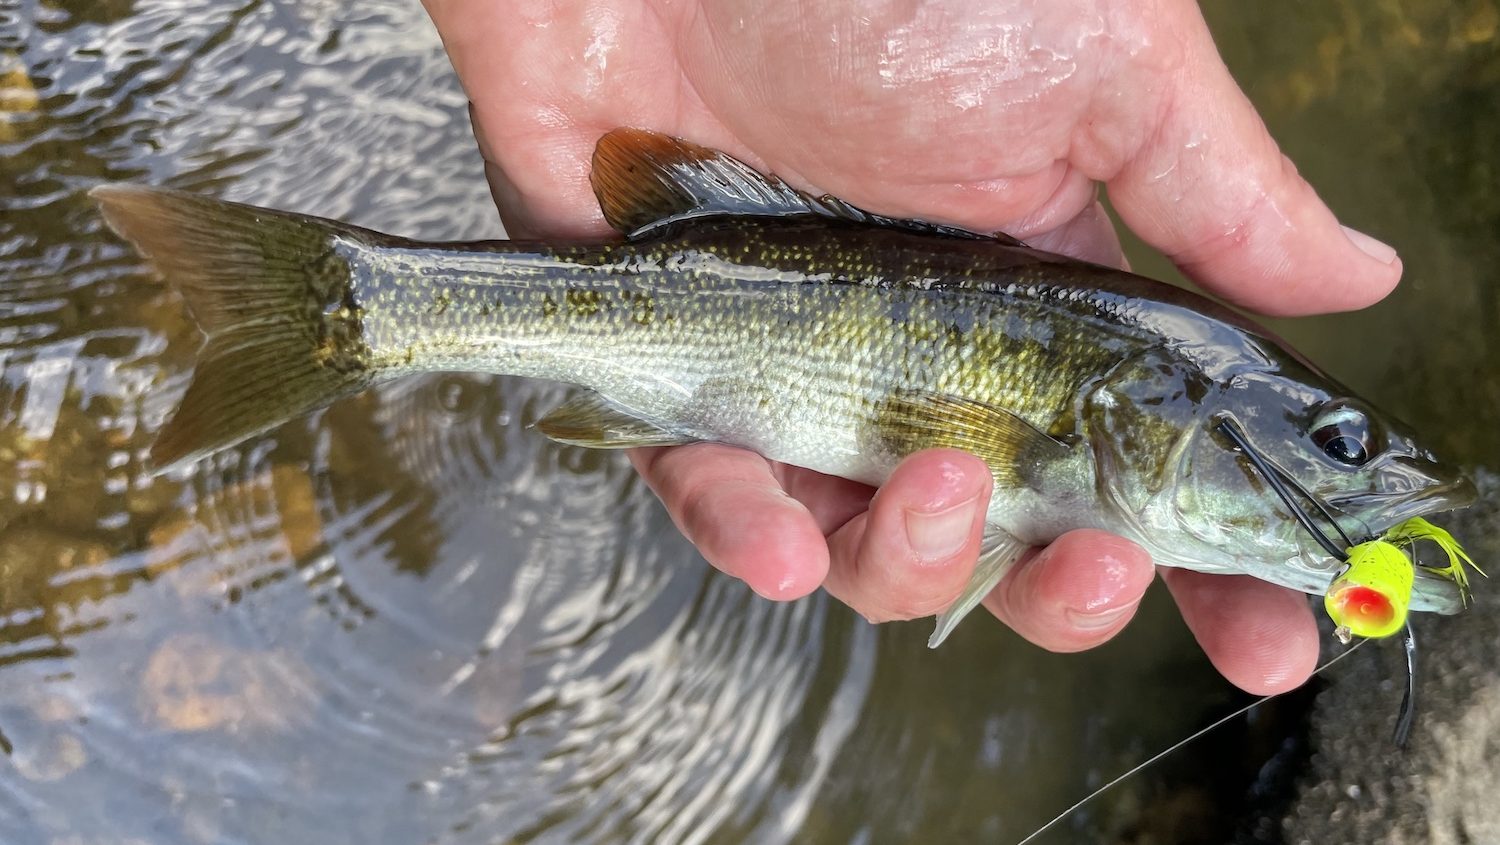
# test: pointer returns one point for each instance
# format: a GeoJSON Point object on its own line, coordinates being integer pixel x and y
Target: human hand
{"type": "Point", "coordinates": [993, 116]}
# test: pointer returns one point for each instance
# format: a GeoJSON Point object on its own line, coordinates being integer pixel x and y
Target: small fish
{"type": "Point", "coordinates": [739, 310]}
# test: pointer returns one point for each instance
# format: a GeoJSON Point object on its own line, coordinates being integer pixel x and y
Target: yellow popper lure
{"type": "Point", "coordinates": [1370, 596]}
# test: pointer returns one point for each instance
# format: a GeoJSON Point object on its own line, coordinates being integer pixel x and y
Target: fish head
{"type": "Point", "coordinates": [1369, 470]}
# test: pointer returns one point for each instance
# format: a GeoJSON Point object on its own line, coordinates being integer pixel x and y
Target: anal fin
{"type": "Point", "coordinates": [998, 553]}
{"type": "Point", "coordinates": [591, 421]}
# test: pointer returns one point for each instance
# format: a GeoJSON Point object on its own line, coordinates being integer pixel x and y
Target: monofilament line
{"type": "Point", "coordinates": [1173, 747]}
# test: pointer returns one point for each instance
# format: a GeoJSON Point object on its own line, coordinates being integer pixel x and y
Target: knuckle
{"type": "Point", "coordinates": [872, 606]}
{"type": "Point", "coordinates": [918, 607]}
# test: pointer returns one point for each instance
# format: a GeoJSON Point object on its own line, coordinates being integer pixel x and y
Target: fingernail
{"type": "Point", "coordinates": [1382, 252]}
{"type": "Point", "coordinates": [938, 535]}
{"type": "Point", "coordinates": [1098, 621]}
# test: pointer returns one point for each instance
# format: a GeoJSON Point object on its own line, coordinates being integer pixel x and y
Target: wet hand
{"type": "Point", "coordinates": [969, 112]}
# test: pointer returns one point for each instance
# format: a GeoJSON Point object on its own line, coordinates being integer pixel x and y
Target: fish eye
{"type": "Point", "coordinates": [1344, 434]}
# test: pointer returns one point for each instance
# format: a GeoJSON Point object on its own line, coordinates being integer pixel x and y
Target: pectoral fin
{"type": "Point", "coordinates": [590, 421]}
{"type": "Point", "coordinates": [1013, 447]}
{"type": "Point", "coordinates": [997, 555]}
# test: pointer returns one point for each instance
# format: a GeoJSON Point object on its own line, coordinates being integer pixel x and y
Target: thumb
{"type": "Point", "coordinates": [1213, 192]}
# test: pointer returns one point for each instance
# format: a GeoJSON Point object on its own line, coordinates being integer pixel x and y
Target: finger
{"type": "Point", "coordinates": [1069, 200]}
{"type": "Point", "coordinates": [528, 109]}
{"type": "Point", "coordinates": [1090, 236]}
{"type": "Point", "coordinates": [832, 501]}
{"type": "Point", "coordinates": [911, 553]}
{"type": "Point", "coordinates": [513, 207]}
{"type": "Point", "coordinates": [1212, 191]}
{"type": "Point", "coordinates": [728, 504]}
{"type": "Point", "coordinates": [1260, 636]}
{"type": "Point", "coordinates": [1076, 593]}
{"type": "Point", "coordinates": [537, 213]}
{"type": "Point", "coordinates": [514, 213]}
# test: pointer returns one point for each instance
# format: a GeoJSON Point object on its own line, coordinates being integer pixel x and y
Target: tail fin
{"type": "Point", "coordinates": [272, 291]}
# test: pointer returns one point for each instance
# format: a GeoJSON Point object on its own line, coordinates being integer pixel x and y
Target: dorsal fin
{"type": "Point", "coordinates": [645, 180]}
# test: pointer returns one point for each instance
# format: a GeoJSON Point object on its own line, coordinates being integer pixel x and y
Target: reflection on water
{"type": "Point", "coordinates": [410, 619]}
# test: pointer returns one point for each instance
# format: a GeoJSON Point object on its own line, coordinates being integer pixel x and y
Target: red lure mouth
{"type": "Point", "coordinates": [1360, 607]}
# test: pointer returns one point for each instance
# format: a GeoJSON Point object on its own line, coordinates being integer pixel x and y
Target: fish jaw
{"type": "Point", "coordinates": [1435, 594]}
{"type": "Point", "coordinates": [1376, 514]}
{"type": "Point", "coordinates": [1382, 512]}
{"type": "Point", "coordinates": [1313, 571]}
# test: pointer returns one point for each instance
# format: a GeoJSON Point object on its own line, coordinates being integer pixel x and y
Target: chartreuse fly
{"type": "Point", "coordinates": [1370, 597]}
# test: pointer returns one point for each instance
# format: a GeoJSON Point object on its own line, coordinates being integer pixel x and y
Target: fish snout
{"type": "Point", "coordinates": [1405, 487]}
{"type": "Point", "coordinates": [1408, 477]}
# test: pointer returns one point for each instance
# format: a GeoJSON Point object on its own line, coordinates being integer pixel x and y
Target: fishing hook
{"type": "Point", "coordinates": [1408, 713]}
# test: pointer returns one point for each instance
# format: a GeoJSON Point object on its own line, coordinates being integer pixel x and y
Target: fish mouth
{"type": "Point", "coordinates": [1378, 512]}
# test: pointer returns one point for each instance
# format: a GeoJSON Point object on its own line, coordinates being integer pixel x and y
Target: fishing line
{"type": "Point", "coordinates": [1184, 741]}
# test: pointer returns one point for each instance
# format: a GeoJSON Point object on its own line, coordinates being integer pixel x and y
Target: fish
{"type": "Point", "coordinates": [736, 309]}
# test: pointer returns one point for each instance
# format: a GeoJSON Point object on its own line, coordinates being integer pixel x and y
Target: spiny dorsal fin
{"type": "Point", "coordinates": [912, 420]}
{"type": "Point", "coordinates": [590, 421]}
{"type": "Point", "coordinates": [645, 180]}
